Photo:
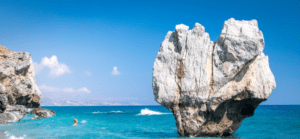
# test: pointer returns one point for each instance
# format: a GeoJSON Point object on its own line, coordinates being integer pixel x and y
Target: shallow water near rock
{"type": "Point", "coordinates": [121, 122]}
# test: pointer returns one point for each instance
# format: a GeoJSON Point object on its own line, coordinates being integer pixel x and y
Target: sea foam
{"type": "Point", "coordinates": [149, 112]}
{"type": "Point", "coordinates": [83, 121]}
{"type": "Point", "coordinates": [116, 112]}
{"type": "Point", "coordinates": [29, 110]}
{"type": "Point", "coordinates": [97, 112]}
{"type": "Point", "coordinates": [14, 137]}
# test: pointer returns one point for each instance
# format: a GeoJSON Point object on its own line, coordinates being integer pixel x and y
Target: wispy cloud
{"type": "Point", "coordinates": [119, 104]}
{"type": "Point", "coordinates": [88, 73]}
{"type": "Point", "coordinates": [115, 71]}
{"type": "Point", "coordinates": [56, 69]}
{"type": "Point", "coordinates": [49, 89]}
{"type": "Point", "coordinates": [37, 67]}
{"type": "Point", "coordinates": [49, 101]}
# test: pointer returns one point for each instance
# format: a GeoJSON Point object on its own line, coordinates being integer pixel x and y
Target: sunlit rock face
{"type": "Point", "coordinates": [212, 86]}
{"type": "Point", "coordinates": [18, 89]}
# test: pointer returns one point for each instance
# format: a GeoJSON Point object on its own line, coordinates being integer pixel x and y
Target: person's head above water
{"type": "Point", "coordinates": [75, 121]}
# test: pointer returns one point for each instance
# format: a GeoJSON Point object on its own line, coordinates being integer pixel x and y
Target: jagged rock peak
{"type": "Point", "coordinates": [212, 86]}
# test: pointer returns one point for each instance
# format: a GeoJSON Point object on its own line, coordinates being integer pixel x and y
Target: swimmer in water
{"type": "Point", "coordinates": [75, 122]}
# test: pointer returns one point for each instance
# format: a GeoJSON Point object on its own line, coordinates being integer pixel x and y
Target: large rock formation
{"type": "Point", "coordinates": [18, 90]}
{"type": "Point", "coordinates": [212, 86]}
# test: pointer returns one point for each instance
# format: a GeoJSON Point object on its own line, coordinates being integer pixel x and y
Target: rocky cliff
{"type": "Point", "coordinates": [210, 87]}
{"type": "Point", "coordinates": [18, 90]}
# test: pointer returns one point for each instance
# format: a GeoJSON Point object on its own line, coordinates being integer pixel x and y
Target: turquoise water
{"type": "Point", "coordinates": [122, 122]}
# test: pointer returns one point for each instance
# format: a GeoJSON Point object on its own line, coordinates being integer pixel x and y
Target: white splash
{"type": "Point", "coordinates": [29, 110]}
{"type": "Point", "coordinates": [149, 112]}
{"type": "Point", "coordinates": [83, 121]}
{"type": "Point", "coordinates": [13, 137]}
{"type": "Point", "coordinates": [97, 112]}
{"type": "Point", "coordinates": [116, 112]}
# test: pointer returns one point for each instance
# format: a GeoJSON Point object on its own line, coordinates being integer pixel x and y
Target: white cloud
{"type": "Point", "coordinates": [89, 73]}
{"type": "Point", "coordinates": [49, 89]}
{"type": "Point", "coordinates": [37, 67]}
{"type": "Point", "coordinates": [48, 101]}
{"type": "Point", "coordinates": [68, 90]}
{"type": "Point", "coordinates": [56, 69]}
{"type": "Point", "coordinates": [45, 88]}
{"type": "Point", "coordinates": [115, 71]}
{"type": "Point", "coordinates": [68, 100]}
{"type": "Point", "coordinates": [84, 90]}
{"type": "Point", "coordinates": [120, 104]}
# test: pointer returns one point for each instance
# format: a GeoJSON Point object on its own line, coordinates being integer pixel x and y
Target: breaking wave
{"type": "Point", "coordinates": [97, 112]}
{"type": "Point", "coordinates": [116, 112]}
{"type": "Point", "coordinates": [149, 112]}
{"type": "Point", "coordinates": [29, 110]}
{"type": "Point", "coordinates": [14, 137]}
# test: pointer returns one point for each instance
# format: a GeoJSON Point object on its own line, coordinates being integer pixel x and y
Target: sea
{"type": "Point", "coordinates": [144, 122]}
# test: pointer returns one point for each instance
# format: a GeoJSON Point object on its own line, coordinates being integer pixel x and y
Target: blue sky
{"type": "Point", "coordinates": [77, 44]}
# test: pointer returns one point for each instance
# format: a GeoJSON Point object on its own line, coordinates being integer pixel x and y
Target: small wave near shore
{"type": "Point", "coordinates": [150, 112]}
{"type": "Point", "coordinates": [116, 112]}
{"type": "Point", "coordinates": [98, 112]}
{"type": "Point", "coordinates": [9, 136]}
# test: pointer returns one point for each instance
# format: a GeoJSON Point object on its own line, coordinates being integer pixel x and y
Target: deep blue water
{"type": "Point", "coordinates": [270, 122]}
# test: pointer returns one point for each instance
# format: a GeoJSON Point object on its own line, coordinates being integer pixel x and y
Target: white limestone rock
{"type": "Point", "coordinates": [18, 90]}
{"type": "Point", "coordinates": [211, 87]}
{"type": "Point", "coordinates": [239, 43]}
{"type": "Point", "coordinates": [17, 78]}
{"type": "Point", "coordinates": [13, 114]}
